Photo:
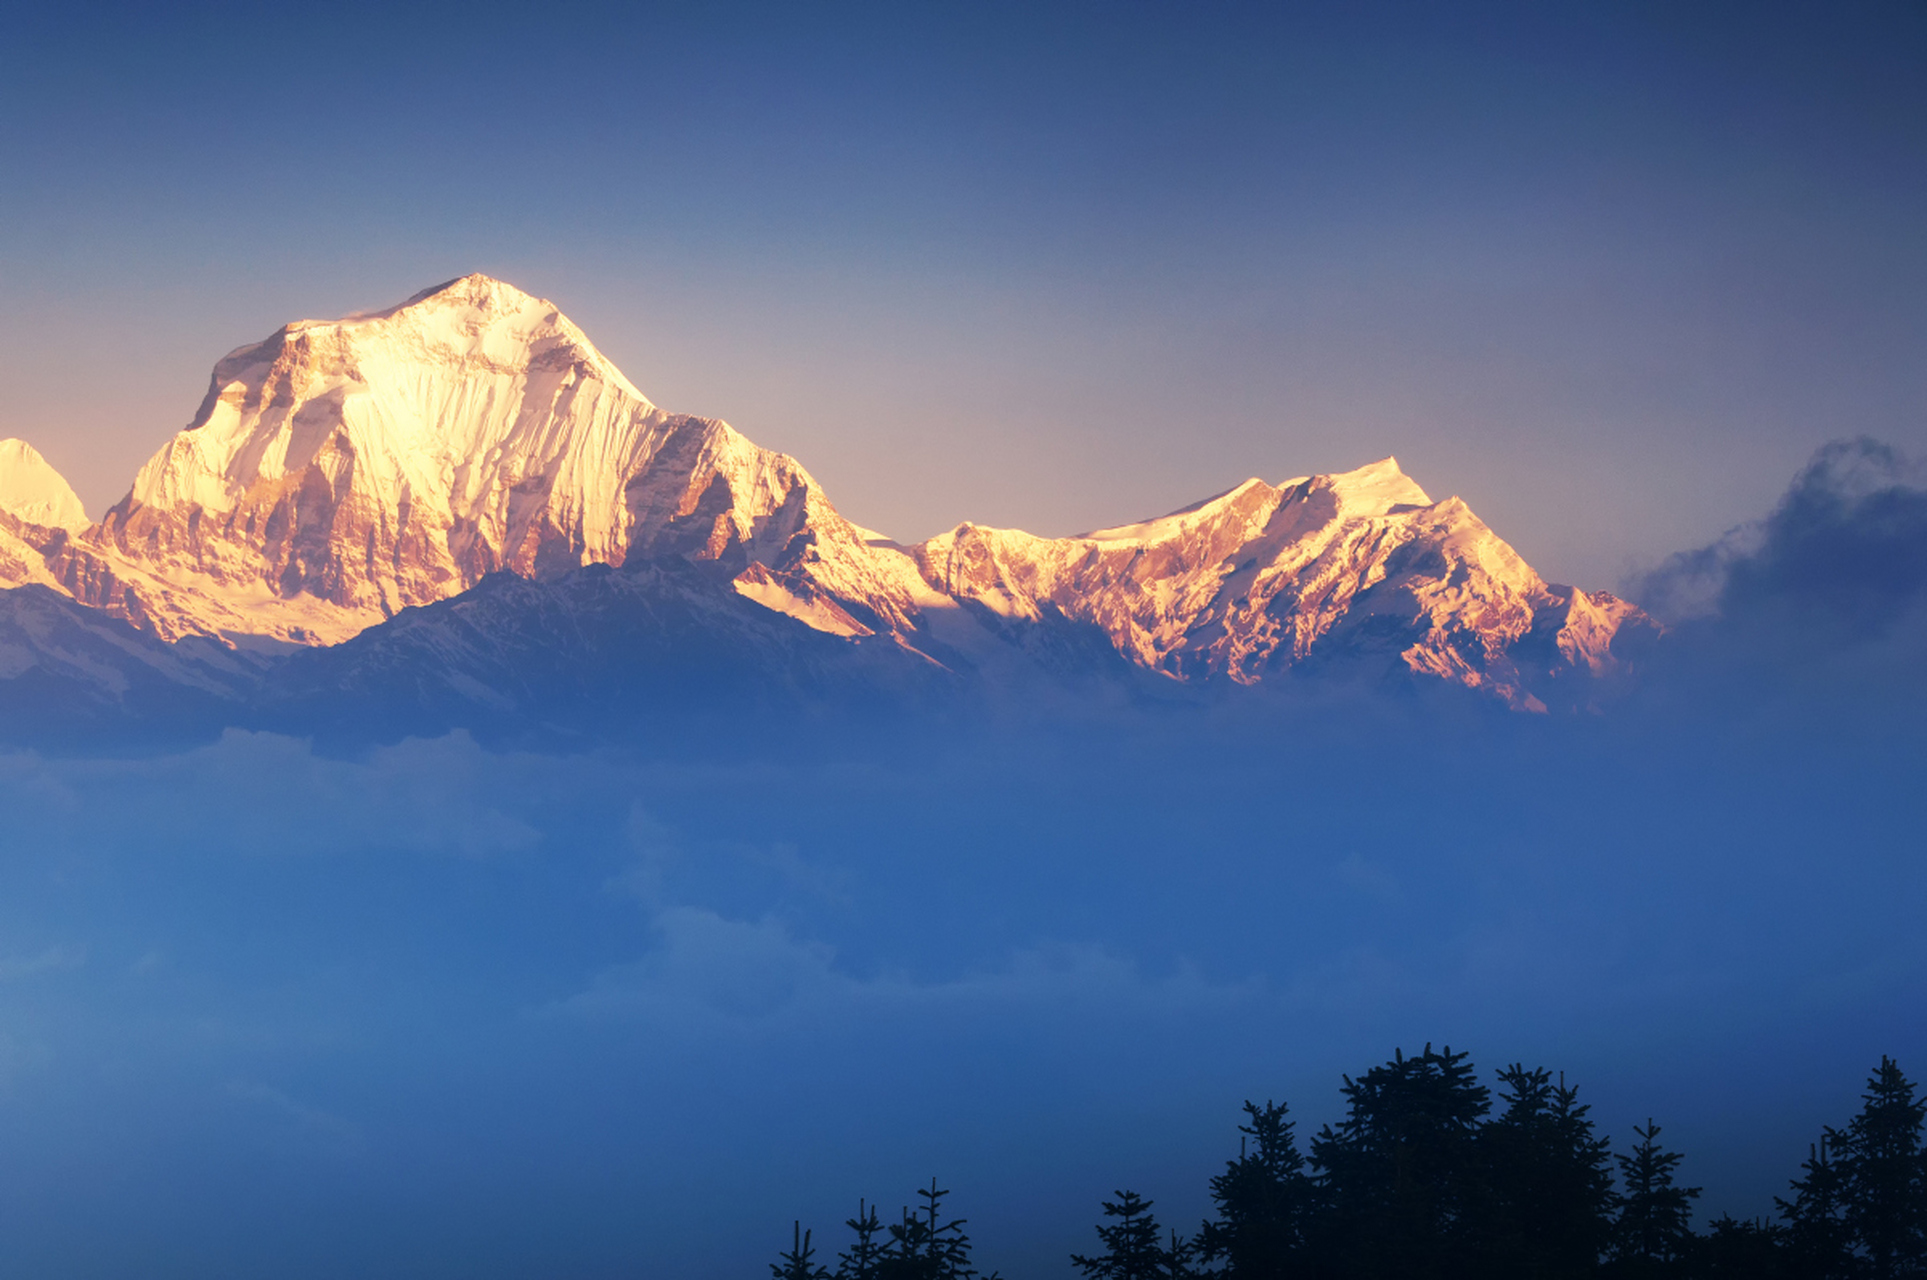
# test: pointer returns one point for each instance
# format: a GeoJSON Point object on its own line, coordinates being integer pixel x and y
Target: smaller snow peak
{"type": "Point", "coordinates": [33, 491]}
{"type": "Point", "coordinates": [1375, 488]}
{"type": "Point", "coordinates": [443, 287]}
{"type": "Point", "coordinates": [1175, 522]}
{"type": "Point", "coordinates": [475, 299]}
{"type": "Point", "coordinates": [473, 295]}
{"type": "Point", "coordinates": [476, 289]}
{"type": "Point", "coordinates": [474, 322]}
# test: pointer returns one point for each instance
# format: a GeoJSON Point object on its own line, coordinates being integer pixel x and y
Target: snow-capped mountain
{"type": "Point", "coordinates": [343, 471]}
{"type": "Point", "coordinates": [37, 506]}
{"type": "Point", "coordinates": [33, 491]}
{"type": "Point", "coordinates": [1266, 577]}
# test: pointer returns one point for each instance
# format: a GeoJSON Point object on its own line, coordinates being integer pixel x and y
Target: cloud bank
{"type": "Point", "coordinates": [434, 1009]}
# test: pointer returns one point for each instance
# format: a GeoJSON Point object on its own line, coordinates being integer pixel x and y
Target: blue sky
{"type": "Point", "coordinates": [1609, 272]}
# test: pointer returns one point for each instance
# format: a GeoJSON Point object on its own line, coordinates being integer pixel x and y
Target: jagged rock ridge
{"type": "Point", "coordinates": [342, 471]}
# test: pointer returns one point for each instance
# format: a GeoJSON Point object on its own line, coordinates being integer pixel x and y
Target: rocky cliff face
{"type": "Point", "coordinates": [342, 471]}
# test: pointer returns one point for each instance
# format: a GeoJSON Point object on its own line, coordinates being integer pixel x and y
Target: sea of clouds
{"type": "Point", "coordinates": [437, 1008]}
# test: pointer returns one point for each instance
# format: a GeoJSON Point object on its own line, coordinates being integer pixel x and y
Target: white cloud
{"type": "Point", "coordinates": [759, 974]}
{"type": "Point", "coordinates": [263, 793]}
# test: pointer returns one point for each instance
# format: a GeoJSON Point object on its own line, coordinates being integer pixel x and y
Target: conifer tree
{"type": "Point", "coordinates": [1550, 1180]}
{"type": "Point", "coordinates": [1132, 1245]}
{"type": "Point", "coordinates": [909, 1254]}
{"type": "Point", "coordinates": [1733, 1249]}
{"type": "Point", "coordinates": [1400, 1178]}
{"type": "Point", "coordinates": [1177, 1258]}
{"type": "Point", "coordinates": [862, 1260]}
{"type": "Point", "coordinates": [1882, 1176]}
{"type": "Point", "coordinates": [1818, 1240]}
{"type": "Point", "coordinates": [925, 1247]}
{"type": "Point", "coordinates": [799, 1263]}
{"type": "Point", "coordinates": [1654, 1231]}
{"type": "Point", "coordinates": [1264, 1198]}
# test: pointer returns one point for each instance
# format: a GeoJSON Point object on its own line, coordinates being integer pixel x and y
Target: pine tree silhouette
{"type": "Point", "coordinates": [1819, 1242]}
{"type": "Point", "coordinates": [798, 1263]}
{"type": "Point", "coordinates": [862, 1260]}
{"type": "Point", "coordinates": [1132, 1248]}
{"type": "Point", "coordinates": [1733, 1249]}
{"type": "Point", "coordinates": [1177, 1258]}
{"type": "Point", "coordinates": [1420, 1182]}
{"type": "Point", "coordinates": [908, 1255]}
{"type": "Point", "coordinates": [1400, 1177]}
{"type": "Point", "coordinates": [1264, 1199]}
{"type": "Point", "coordinates": [1654, 1231]}
{"type": "Point", "coordinates": [1883, 1176]}
{"type": "Point", "coordinates": [925, 1247]}
{"type": "Point", "coordinates": [1550, 1177]}
{"type": "Point", "coordinates": [1883, 1179]}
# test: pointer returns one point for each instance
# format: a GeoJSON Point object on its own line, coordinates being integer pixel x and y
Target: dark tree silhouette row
{"type": "Point", "coordinates": [1422, 1180]}
{"type": "Point", "coordinates": [920, 1246]}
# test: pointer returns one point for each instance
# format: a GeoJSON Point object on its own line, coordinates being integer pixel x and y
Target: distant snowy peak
{"type": "Point", "coordinates": [1320, 570]}
{"type": "Point", "coordinates": [473, 416]}
{"type": "Point", "coordinates": [31, 490]}
{"type": "Point", "coordinates": [341, 471]}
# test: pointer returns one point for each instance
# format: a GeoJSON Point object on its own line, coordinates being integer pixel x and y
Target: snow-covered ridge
{"type": "Point", "coordinates": [31, 490]}
{"type": "Point", "coordinates": [342, 470]}
{"type": "Point", "coordinates": [1265, 577]}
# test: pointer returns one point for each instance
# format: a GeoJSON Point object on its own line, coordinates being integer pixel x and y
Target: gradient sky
{"type": "Point", "coordinates": [1610, 272]}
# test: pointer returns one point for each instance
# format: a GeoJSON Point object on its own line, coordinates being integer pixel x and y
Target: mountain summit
{"type": "Point", "coordinates": [342, 471]}
{"type": "Point", "coordinates": [33, 491]}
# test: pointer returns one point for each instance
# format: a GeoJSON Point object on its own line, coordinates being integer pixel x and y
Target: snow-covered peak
{"type": "Point", "coordinates": [1357, 565]}
{"type": "Point", "coordinates": [458, 385]}
{"type": "Point", "coordinates": [478, 318]}
{"type": "Point", "coordinates": [1169, 526]}
{"type": "Point", "coordinates": [342, 470]}
{"type": "Point", "coordinates": [393, 458]}
{"type": "Point", "coordinates": [475, 325]}
{"type": "Point", "coordinates": [1375, 489]}
{"type": "Point", "coordinates": [32, 490]}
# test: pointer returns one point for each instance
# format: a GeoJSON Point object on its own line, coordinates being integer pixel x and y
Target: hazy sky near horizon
{"type": "Point", "coordinates": [1609, 272]}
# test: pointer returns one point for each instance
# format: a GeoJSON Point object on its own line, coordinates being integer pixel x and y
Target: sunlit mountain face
{"type": "Point", "coordinates": [341, 473]}
{"type": "Point", "coordinates": [463, 820]}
